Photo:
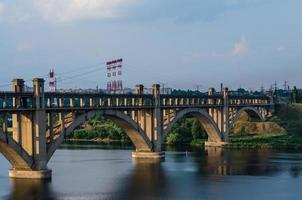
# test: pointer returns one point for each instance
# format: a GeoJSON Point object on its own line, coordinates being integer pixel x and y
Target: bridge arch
{"type": "Point", "coordinates": [126, 123]}
{"type": "Point", "coordinates": [212, 130]}
{"type": "Point", "coordinates": [14, 153]}
{"type": "Point", "coordinates": [252, 112]}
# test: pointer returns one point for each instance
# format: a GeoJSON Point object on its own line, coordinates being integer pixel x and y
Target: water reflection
{"type": "Point", "coordinates": [295, 171]}
{"type": "Point", "coordinates": [30, 190]}
{"type": "Point", "coordinates": [145, 180]}
{"type": "Point", "coordinates": [184, 174]}
{"type": "Point", "coordinates": [218, 161]}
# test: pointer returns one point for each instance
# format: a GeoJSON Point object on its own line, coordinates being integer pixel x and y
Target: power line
{"type": "Point", "coordinates": [97, 65]}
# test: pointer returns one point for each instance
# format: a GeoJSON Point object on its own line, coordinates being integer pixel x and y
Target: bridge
{"type": "Point", "coordinates": [36, 122]}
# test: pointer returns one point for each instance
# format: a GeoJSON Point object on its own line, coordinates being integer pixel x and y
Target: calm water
{"type": "Point", "coordinates": [103, 172]}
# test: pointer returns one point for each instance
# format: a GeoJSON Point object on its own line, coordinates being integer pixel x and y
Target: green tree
{"type": "Point", "coordinates": [197, 130]}
{"type": "Point", "coordinates": [295, 95]}
{"type": "Point", "coordinates": [174, 138]}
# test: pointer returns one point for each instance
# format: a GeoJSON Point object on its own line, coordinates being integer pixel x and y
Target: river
{"type": "Point", "coordinates": [89, 171]}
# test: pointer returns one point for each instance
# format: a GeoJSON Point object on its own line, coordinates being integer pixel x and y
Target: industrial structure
{"type": "Point", "coordinates": [114, 75]}
{"type": "Point", "coordinates": [52, 81]}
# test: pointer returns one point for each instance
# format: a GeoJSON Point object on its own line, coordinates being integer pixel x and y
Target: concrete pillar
{"type": "Point", "coordinates": [226, 114]}
{"type": "Point", "coordinates": [34, 137]}
{"type": "Point", "coordinates": [157, 117]}
{"type": "Point", "coordinates": [211, 92]}
{"type": "Point", "coordinates": [153, 127]}
{"type": "Point", "coordinates": [22, 122]}
{"type": "Point", "coordinates": [50, 120]}
{"type": "Point", "coordinates": [139, 90]}
{"type": "Point", "coordinates": [18, 87]}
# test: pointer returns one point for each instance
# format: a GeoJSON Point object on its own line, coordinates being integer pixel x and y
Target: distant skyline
{"type": "Point", "coordinates": [242, 43]}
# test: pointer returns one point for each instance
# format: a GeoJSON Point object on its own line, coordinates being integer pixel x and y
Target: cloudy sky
{"type": "Point", "coordinates": [182, 43]}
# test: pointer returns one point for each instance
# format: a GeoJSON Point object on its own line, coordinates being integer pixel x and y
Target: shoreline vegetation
{"type": "Point", "coordinates": [282, 131]}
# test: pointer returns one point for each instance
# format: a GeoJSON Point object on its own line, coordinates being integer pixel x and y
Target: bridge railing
{"type": "Point", "coordinates": [89, 100]}
{"type": "Point", "coordinates": [191, 100]}
{"type": "Point", "coordinates": [12, 100]}
{"type": "Point", "coordinates": [244, 100]}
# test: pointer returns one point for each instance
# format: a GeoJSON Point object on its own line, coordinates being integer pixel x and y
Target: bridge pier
{"type": "Point", "coordinates": [148, 155]}
{"type": "Point", "coordinates": [29, 133]}
{"type": "Point", "coordinates": [152, 124]}
{"type": "Point", "coordinates": [30, 174]}
{"type": "Point", "coordinates": [215, 144]}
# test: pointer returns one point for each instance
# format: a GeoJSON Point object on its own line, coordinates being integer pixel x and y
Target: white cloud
{"type": "Point", "coordinates": [241, 47]}
{"type": "Point", "coordinates": [71, 10]}
{"type": "Point", "coordinates": [1, 8]}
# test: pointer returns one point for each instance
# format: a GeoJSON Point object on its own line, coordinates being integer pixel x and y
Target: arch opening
{"type": "Point", "coordinates": [247, 114]}
{"type": "Point", "coordinates": [207, 123]}
{"type": "Point", "coordinates": [125, 122]}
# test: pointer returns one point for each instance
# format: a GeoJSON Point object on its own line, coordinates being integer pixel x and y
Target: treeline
{"type": "Point", "coordinates": [296, 95]}
{"type": "Point", "coordinates": [99, 128]}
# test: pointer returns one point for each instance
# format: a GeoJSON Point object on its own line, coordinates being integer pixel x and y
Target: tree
{"type": "Point", "coordinates": [295, 95]}
{"type": "Point", "coordinates": [197, 130]}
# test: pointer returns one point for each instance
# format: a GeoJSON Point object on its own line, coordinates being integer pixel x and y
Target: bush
{"type": "Point", "coordinates": [101, 128]}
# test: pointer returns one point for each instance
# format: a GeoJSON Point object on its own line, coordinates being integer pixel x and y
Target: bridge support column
{"type": "Point", "coordinates": [33, 137]}
{"type": "Point", "coordinates": [226, 114]}
{"type": "Point", "coordinates": [151, 123]}
{"type": "Point", "coordinates": [157, 118]}
{"type": "Point", "coordinates": [221, 118]}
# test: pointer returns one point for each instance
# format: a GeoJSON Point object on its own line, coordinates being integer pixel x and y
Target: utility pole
{"type": "Point", "coordinates": [262, 89]}
{"type": "Point", "coordinates": [275, 86]}
{"type": "Point", "coordinates": [198, 87]}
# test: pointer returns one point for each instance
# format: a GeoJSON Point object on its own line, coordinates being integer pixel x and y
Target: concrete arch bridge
{"type": "Point", "coordinates": [35, 123]}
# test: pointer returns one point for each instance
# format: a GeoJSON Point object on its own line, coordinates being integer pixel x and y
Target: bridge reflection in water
{"type": "Point", "coordinates": [31, 189]}
{"type": "Point", "coordinates": [191, 175]}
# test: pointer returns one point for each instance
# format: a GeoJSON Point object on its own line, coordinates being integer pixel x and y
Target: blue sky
{"type": "Point", "coordinates": [182, 43]}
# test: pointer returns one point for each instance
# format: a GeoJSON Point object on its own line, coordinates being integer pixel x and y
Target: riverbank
{"type": "Point", "coordinates": [283, 131]}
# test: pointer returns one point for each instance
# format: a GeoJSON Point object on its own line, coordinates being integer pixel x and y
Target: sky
{"type": "Point", "coordinates": [179, 43]}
